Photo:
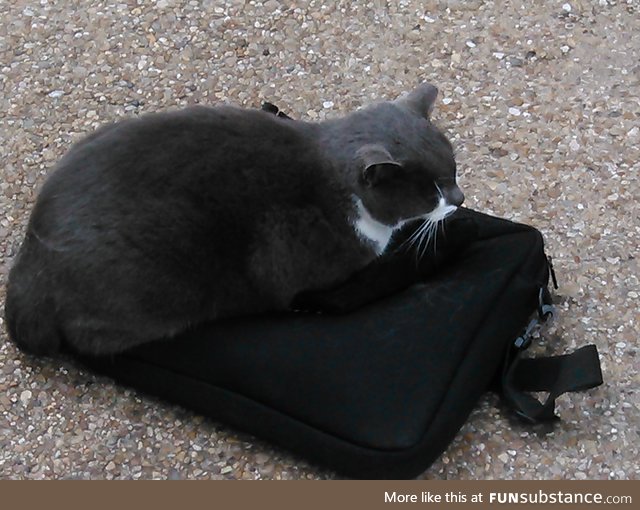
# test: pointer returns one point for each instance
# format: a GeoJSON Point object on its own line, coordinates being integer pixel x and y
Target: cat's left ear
{"type": "Point", "coordinates": [421, 100]}
{"type": "Point", "coordinates": [378, 164]}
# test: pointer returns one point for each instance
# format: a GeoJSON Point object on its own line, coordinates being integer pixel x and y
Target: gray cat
{"type": "Point", "coordinates": [153, 225]}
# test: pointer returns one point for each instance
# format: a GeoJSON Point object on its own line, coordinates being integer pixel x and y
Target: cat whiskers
{"type": "Point", "coordinates": [417, 234]}
{"type": "Point", "coordinates": [421, 237]}
{"type": "Point", "coordinates": [430, 233]}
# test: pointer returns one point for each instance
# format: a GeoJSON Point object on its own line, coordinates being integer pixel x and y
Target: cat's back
{"type": "Point", "coordinates": [176, 139]}
{"type": "Point", "coordinates": [203, 153]}
{"type": "Point", "coordinates": [212, 178]}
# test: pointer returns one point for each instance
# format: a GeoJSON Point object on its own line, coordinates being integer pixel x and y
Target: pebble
{"type": "Point", "coordinates": [537, 107]}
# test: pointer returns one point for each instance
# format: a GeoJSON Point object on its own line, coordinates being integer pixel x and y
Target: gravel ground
{"type": "Point", "coordinates": [542, 104]}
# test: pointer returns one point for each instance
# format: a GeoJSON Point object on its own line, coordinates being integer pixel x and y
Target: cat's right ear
{"type": "Point", "coordinates": [377, 164]}
{"type": "Point", "coordinates": [421, 100]}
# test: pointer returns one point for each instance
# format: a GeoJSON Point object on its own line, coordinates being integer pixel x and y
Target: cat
{"type": "Point", "coordinates": [153, 225]}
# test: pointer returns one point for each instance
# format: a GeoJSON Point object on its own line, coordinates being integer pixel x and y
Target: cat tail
{"type": "Point", "coordinates": [29, 310]}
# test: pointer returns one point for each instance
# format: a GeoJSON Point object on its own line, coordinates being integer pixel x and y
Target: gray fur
{"type": "Point", "coordinates": [152, 225]}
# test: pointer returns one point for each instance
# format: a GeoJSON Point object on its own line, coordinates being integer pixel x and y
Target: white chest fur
{"type": "Point", "coordinates": [371, 229]}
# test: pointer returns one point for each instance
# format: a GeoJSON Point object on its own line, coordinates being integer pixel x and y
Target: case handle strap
{"type": "Point", "coordinates": [577, 371]}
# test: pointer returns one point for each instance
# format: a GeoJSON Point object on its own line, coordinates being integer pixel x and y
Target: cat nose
{"type": "Point", "coordinates": [454, 196]}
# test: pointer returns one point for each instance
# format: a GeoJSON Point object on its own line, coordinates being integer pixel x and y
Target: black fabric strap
{"type": "Point", "coordinates": [271, 108]}
{"type": "Point", "coordinates": [577, 371]}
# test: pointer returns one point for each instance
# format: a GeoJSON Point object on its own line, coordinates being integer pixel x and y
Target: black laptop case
{"type": "Point", "coordinates": [381, 391]}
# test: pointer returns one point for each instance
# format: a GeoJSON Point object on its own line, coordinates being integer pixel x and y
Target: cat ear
{"type": "Point", "coordinates": [421, 100]}
{"type": "Point", "coordinates": [378, 164]}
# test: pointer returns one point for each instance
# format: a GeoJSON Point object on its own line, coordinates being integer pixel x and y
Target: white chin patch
{"type": "Point", "coordinates": [440, 212]}
{"type": "Point", "coordinates": [380, 234]}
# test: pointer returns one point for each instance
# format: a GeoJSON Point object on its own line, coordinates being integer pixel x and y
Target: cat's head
{"type": "Point", "coordinates": [402, 165]}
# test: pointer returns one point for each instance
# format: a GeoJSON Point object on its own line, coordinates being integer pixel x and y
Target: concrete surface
{"type": "Point", "coordinates": [541, 100]}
